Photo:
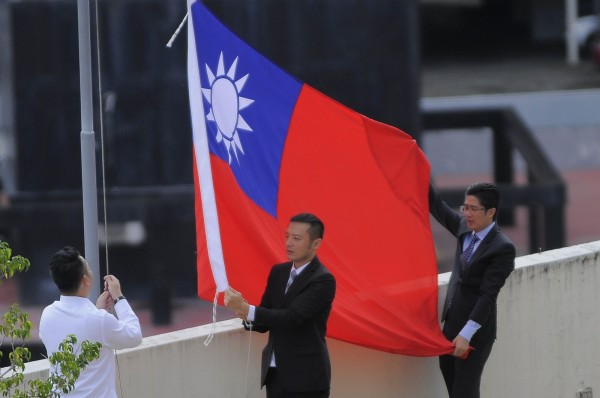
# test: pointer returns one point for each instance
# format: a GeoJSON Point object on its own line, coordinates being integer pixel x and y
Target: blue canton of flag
{"type": "Point", "coordinates": [248, 103]}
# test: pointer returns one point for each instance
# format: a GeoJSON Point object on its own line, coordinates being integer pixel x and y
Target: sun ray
{"type": "Point", "coordinates": [210, 116]}
{"type": "Point", "coordinates": [207, 92]}
{"type": "Point", "coordinates": [210, 75]}
{"type": "Point", "coordinates": [243, 125]}
{"type": "Point", "coordinates": [228, 147]}
{"type": "Point", "coordinates": [235, 152]}
{"type": "Point", "coordinates": [241, 82]}
{"type": "Point", "coordinates": [221, 66]}
{"type": "Point", "coordinates": [232, 69]}
{"type": "Point", "coordinates": [237, 143]}
{"type": "Point", "coordinates": [245, 102]}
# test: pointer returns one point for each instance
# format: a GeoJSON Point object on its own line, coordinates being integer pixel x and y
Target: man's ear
{"type": "Point", "coordinates": [316, 243]}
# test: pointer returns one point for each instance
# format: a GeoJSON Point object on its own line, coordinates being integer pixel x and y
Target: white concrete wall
{"type": "Point", "coordinates": [549, 336]}
{"type": "Point", "coordinates": [178, 364]}
{"type": "Point", "coordinates": [548, 346]}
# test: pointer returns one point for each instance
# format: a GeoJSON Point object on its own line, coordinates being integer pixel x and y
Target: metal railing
{"type": "Point", "coordinates": [544, 194]}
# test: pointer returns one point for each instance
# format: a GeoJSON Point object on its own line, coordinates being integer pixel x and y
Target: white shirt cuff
{"type": "Point", "coordinates": [251, 311]}
{"type": "Point", "coordinates": [469, 330]}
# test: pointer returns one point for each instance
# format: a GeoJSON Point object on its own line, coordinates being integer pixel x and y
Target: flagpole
{"type": "Point", "coordinates": [88, 146]}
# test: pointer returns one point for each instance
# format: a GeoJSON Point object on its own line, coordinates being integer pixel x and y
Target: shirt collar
{"type": "Point", "coordinates": [483, 233]}
{"type": "Point", "coordinates": [299, 269]}
{"type": "Point", "coordinates": [75, 300]}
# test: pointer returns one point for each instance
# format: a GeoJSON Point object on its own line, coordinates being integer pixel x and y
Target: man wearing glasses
{"type": "Point", "coordinates": [484, 258]}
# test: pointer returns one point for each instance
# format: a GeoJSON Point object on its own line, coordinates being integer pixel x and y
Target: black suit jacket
{"type": "Point", "coordinates": [472, 292]}
{"type": "Point", "coordinates": [297, 324]}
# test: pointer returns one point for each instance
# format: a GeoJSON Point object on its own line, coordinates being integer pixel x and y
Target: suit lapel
{"type": "Point", "coordinates": [483, 246]}
{"type": "Point", "coordinates": [301, 280]}
{"type": "Point", "coordinates": [279, 286]}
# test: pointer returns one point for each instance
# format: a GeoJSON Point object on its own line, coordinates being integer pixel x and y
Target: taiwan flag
{"type": "Point", "coordinates": [267, 147]}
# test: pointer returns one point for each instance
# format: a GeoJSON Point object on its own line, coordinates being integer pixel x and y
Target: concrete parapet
{"type": "Point", "coordinates": [548, 318]}
{"type": "Point", "coordinates": [547, 346]}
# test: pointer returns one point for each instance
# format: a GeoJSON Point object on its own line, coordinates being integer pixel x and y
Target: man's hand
{"type": "Point", "coordinates": [235, 302]}
{"type": "Point", "coordinates": [461, 346]}
{"type": "Point", "coordinates": [105, 302]}
{"type": "Point", "coordinates": [112, 286]}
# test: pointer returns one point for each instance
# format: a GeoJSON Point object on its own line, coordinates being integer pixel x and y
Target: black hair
{"type": "Point", "coordinates": [67, 269]}
{"type": "Point", "coordinates": [487, 193]}
{"type": "Point", "coordinates": [316, 229]}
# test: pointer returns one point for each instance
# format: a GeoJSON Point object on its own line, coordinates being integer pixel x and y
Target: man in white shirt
{"type": "Point", "coordinates": [75, 314]}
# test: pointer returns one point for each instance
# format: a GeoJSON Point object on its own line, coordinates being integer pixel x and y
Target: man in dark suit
{"type": "Point", "coordinates": [484, 258]}
{"type": "Point", "coordinates": [294, 310]}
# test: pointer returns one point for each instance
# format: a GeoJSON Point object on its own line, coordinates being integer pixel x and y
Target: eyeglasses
{"type": "Point", "coordinates": [471, 208]}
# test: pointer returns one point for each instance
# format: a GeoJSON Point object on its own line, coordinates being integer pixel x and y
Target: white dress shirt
{"type": "Point", "coordinates": [79, 316]}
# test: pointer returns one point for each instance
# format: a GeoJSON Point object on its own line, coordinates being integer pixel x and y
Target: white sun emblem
{"type": "Point", "coordinates": [226, 104]}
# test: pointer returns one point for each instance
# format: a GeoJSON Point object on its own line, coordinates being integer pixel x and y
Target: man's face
{"type": "Point", "coordinates": [477, 217]}
{"type": "Point", "coordinates": [299, 247]}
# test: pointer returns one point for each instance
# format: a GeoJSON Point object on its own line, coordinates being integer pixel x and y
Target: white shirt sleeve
{"type": "Point", "coordinates": [123, 331]}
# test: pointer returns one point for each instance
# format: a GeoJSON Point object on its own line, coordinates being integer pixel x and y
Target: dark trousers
{"type": "Point", "coordinates": [463, 376]}
{"type": "Point", "coordinates": [276, 390]}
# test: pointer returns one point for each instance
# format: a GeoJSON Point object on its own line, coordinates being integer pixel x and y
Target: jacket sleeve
{"type": "Point", "coordinates": [440, 210]}
{"type": "Point", "coordinates": [315, 297]}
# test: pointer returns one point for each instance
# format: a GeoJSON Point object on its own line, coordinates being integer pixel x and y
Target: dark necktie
{"type": "Point", "coordinates": [464, 258]}
{"type": "Point", "coordinates": [291, 280]}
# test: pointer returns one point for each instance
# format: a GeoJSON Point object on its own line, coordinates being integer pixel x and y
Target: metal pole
{"type": "Point", "coordinates": [571, 39]}
{"type": "Point", "coordinates": [88, 146]}
{"type": "Point", "coordinates": [8, 152]}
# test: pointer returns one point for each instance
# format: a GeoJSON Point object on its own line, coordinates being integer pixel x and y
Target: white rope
{"type": "Point", "coordinates": [101, 110]}
{"type": "Point", "coordinates": [170, 43]}
{"type": "Point", "coordinates": [214, 322]}
{"type": "Point", "coordinates": [100, 101]}
{"type": "Point", "coordinates": [249, 325]}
